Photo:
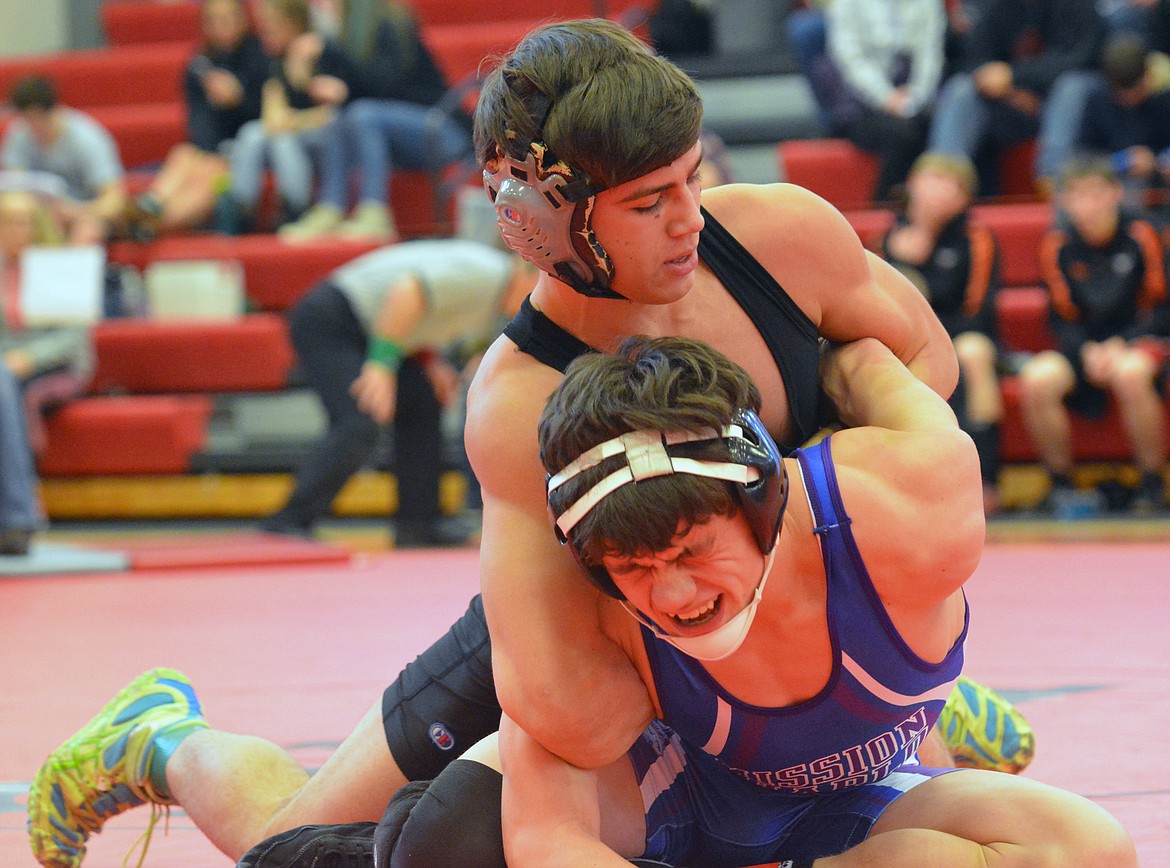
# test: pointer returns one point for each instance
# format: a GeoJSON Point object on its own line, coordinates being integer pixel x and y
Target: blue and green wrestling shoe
{"type": "Point", "coordinates": [985, 731]}
{"type": "Point", "coordinates": [106, 767]}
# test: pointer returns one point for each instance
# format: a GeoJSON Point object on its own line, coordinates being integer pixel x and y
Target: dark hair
{"type": "Point", "coordinates": [1123, 60]}
{"type": "Point", "coordinates": [658, 384]}
{"type": "Point", "coordinates": [1087, 166]}
{"type": "Point", "coordinates": [294, 11]}
{"type": "Point", "coordinates": [617, 110]}
{"type": "Point", "coordinates": [34, 92]}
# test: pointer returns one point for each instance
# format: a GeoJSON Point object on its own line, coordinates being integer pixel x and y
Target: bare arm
{"type": "Point", "coordinates": [910, 475]}
{"type": "Point", "coordinates": [551, 810]}
{"type": "Point", "coordinates": [376, 388]}
{"type": "Point", "coordinates": [548, 651]}
{"type": "Point", "coordinates": [848, 293]}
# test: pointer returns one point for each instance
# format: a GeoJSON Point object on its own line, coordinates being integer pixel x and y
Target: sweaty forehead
{"type": "Point", "coordinates": [674, 172]}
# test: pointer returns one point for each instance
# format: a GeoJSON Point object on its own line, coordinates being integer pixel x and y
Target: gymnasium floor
{"type": "Point", "coordinates": [1078, 633]}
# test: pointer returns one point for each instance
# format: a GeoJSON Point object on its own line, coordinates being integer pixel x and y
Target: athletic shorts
{"type": "Point", "coordinates": [1092, 402]}
{"type": "Point", "coordinates": [699, 813]}
{"type": "Point", "coordinates": [444, 701]}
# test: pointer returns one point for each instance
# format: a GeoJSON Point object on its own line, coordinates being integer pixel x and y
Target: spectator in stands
{"type": "Point", "coordinates": [41, 367]}
{"type": "Point", "coordinates": [222, 86]}
{"type": "Point", "coordinates": [879, 77]}
{"type": "Point", "coordinates": [1106, 281]}
{"type": "Point", "coordinates": [49, 137]}
{"type": "Point", "coordinates": [1018, 50]}
{"type": "Point", "coordinates": [397, 119]}
{"type": "Point", "coordinates": [1128, 119]}
{"type": "Point", "coordinates": [299, 100]}
{"type": "Point", "coordinates": [954, 261]}
{"type": "Point", "coordinates": [367, 339]}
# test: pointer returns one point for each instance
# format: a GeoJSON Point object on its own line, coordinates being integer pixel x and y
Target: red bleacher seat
{"type": "Point", "coordinates": [276, 274]}
{"type": "Point", "coordinates": [1018, 228]}
{"type": "Point", "coordinates": [126, 435]}
{"type": "Point", "coordinates": [834, 169]}
{"type": "Point", "coordinates": [845, 175]}
{"type": "Point", "coordinates": [1022, 317]}
{"type": "Point", "coordinates": [442, 12]}
{"type": "Point", "coordinates": [131, 22]}
{"type": "Point", "coordinates": [251, 354]}
{"type": "Point", "coordinates": [145, 132]}
{"type": "Point", "coordinates": [1092, 439]}
{"type": "Point", "coordinates": [120, 75]}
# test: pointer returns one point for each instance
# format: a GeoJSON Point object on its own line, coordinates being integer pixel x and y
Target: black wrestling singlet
{"type": "Point", "coordinates": [789, 334]}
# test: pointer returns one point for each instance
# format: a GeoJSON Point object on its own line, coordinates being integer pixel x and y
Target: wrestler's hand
{"type": "Point", "coordinates": [444, 379]}
{"type": "Point", "coordinates": [376, 392]}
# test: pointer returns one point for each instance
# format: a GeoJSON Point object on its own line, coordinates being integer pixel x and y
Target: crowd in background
{"type": "Point", "coordinates": [299, 112]}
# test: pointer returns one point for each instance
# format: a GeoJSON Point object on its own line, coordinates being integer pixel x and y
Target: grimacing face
{"type": "Point", "coordinates": [707, 576]}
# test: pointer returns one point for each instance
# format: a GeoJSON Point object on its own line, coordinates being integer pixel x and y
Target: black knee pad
{"type": "Point", "coordinates": [452, 820]}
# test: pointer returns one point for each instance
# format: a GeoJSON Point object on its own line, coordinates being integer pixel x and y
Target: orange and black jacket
{"type": "Point", "coordinates": [960, 277]}
{"type": "Point", "coordinates": [1115, 290]}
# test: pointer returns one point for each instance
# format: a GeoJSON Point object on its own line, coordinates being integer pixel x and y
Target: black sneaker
{"type": "Point", "coordinates": [439, 534]}
{"type": "Point", "coordinates": [348, 845]}
{"type": "Point", "coordinates": [1150, 495]}
{"type": "Point", "coordinates": [15, 541]}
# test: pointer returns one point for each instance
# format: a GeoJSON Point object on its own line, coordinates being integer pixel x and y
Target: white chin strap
{"type": "Point", "coordinates": [646, 457]}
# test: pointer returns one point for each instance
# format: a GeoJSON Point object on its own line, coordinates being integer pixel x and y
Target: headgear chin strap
{"type": "Point", "coordinates": [754, 465]}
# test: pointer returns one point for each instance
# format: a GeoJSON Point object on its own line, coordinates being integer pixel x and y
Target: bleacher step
{"type": "Point", "coordinates": [220, 495]}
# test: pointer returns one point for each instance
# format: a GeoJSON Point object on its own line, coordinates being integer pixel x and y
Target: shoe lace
{"type": "Point", "coordinates": [157, 812]}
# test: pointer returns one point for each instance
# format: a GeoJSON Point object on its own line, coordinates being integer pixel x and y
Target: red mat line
{"type": "Point", "coordinates": [236, 550]}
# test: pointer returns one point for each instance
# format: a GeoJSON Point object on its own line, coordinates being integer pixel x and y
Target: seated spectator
{"type": "Point", "coordinates": [1126, 118]}
{"type": "Point", "coordinates": [879, 77]}
{"type": "Point", "coordinates": [1016, 53]}
{"type": "Point", "coordinates": [49, 137]}
{"type": "Point", "coordinates": [391, 123]}
{"type": "Point", "coordinates": [1106, 282]}
{"type": "Point", "coordinates": [41, 367]}
{"type": "Point", "coordinates": [296, 110]}
{"type": "Point", "coordinates": [367, 339]}
{"type": "Point", "coordinates": [954, 261]}
{"type": "Point", "coordinates": [222, 86]}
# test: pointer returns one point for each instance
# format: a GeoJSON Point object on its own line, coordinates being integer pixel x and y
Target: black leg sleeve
{"type": "Point", "coordinates": [453, 820]}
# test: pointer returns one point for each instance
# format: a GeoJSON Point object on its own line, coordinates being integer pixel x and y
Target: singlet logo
{"type": "Point", "coordinates": [855, 766]}
{"type": "Point", "coordinates": [441, 736]}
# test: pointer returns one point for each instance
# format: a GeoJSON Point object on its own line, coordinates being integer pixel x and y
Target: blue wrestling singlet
{"type": "Point", "coordinates": [730, 783]}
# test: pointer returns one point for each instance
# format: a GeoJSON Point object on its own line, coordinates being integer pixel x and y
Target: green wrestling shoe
{"type": "Point", "coordinates": [985, 731]}
{"type": "Point", "coordinates": [105, 768]}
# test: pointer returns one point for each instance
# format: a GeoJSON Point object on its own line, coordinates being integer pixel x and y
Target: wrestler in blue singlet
{"type": "Point", "coordinates": [808, 780]}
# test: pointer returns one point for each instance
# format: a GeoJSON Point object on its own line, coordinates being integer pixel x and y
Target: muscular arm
{"type": "Point", "coordinates": [904, 461]}
{"type": "Point", "coordinates": [848, 292]}
{"type": "Point", "coordinates": [557, 676]}
{"type": "Point", "coordinates": [551, 811]}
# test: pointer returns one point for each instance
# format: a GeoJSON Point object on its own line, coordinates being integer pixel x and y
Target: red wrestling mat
{"type": "Point", "coordinates": [1075, 633]}
{"type": "Point", "coordinates": [225, 550]}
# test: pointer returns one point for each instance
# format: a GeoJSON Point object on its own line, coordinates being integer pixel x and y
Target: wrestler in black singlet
{"type": "Point", "coordinates": [789, 334]}
{"type": "Point", "coordinates": [445, 700]}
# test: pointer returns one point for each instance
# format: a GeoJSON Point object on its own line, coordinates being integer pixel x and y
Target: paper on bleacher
{"type": "Point", "coordinates": [195, 289]}
{"type": "Point", "coordinates": [62, 285]}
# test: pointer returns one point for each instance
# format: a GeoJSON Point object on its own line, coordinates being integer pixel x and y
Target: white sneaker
{"type": "Point", "coordinates": [318, 221]}
{"type": "Point", "coordinates": [370, 221]}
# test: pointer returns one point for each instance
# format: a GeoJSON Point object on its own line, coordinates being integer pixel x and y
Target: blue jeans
{"type": "Point", "coordinates": [807, 30]}
{"type": "Point", "coordinates": [20, 507]}
{"type": "Point", "coordinates": [965, 121]}
{"type": "Point", "coordinates": [291, 157]}
{"type": "Point", "coordinates": [372, 137]}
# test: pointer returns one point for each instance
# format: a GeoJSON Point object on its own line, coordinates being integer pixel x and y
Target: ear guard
{"type": "Point", "coordinates": [544, 215]}
{"type": "Point", "coordinates": [754, 465]}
